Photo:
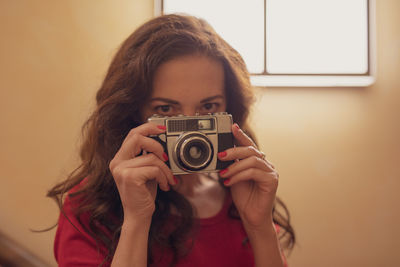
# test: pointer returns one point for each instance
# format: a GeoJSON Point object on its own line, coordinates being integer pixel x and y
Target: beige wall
{"type": "Point", "coordinates": [53, 55]}
{"type": "Point", "coordinates": [338, 152]}
{"type": "Point", "coordinates": [337, 149]}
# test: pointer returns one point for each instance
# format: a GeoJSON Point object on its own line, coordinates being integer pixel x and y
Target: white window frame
{"type": "Point", "coordinates": [318, 80]}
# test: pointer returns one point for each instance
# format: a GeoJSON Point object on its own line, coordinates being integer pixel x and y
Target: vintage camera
{"type": "Point", "coordinates": [193, 142]}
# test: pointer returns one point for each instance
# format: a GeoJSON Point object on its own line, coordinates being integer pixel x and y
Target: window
{"type": "Point", "coordinates": [293, 42]}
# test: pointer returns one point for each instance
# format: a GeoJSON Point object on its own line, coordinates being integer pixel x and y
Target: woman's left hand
{"type": "Point", "coordinates": [252, 179]}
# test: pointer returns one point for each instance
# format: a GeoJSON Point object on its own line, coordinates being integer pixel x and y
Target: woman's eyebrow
{"type": "Point", "coordinates": [173, 102]}
{"type": "Point", "coordinates": [167, 100]}
{"type": "Point", "coordinates": [211, 98]}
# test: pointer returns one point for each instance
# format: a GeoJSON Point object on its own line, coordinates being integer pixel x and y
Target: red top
{"type": "Point", "coordinates": [218, 242]}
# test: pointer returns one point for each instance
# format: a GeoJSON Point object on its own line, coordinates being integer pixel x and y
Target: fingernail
{"type": "Point", "coordinates": [222, 172]}
{"type": "Point", "coordinates": [175, 179]}
{"type": "Point", "coordinates": [161, 127]}
{"type": "Point", "coordinates": [165, 156]}
{"type": "Point", "coordinates": [226, 181]}
{"type": "Point", "coordinates": [222, 154]}
{"type": "Point", "coordinates": [236, 126]}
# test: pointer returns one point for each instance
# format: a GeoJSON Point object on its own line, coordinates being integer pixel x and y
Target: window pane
{"type": "Point", "coordinates": [317, 36]}
{"type": "Point", "coordinates": [240, 23]}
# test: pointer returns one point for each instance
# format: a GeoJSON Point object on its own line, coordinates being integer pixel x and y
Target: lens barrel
{"type": "Point", "coordinates": [194, 151]}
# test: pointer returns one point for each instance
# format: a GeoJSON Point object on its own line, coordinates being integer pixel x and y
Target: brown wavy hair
{"type": "Point", "coordinates": [126, 88]}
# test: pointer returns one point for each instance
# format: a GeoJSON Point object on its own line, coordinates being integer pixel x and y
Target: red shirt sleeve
{"type": "Point", "coordinates": [73, 246]}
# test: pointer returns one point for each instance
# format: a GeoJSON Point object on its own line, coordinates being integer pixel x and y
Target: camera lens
{"type": "Point", "coordinates": [194, 151]}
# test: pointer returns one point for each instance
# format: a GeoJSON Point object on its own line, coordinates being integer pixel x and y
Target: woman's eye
{"type": "Point", "coordinates": [163, 109]}
{"type": "Point", "coordinates": [210, 107]}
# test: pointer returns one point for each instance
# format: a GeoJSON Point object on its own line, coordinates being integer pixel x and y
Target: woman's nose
{"type": "Point", "coordinates": [190, 111]}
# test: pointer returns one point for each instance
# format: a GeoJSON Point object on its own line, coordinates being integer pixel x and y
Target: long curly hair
{"type": "Point", "coordinates": [125, 90]}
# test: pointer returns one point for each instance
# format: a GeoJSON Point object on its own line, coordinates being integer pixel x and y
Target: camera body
{"type": "Point", "coordinates": [193, 142]}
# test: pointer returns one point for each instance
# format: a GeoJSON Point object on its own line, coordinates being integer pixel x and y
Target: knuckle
{"type": "Point", "coordinates": [155, 170]}
{"type": "Point", "coordinates": [111, 165]}
{"type": "Point", "coordinates": [252, 150]}
{"type": "Point", "coordinates": [161, 173]}
{"type": "Point", "coordinates": [123, 173]}
{"type": "Point", "coordinates": [264, 163]}
{"type": "Point", "coordinates": [275, 181]}
{"type": "Point", "coordinates": [135, 137]}
{"type": "Point", "coordinates": [158, 174]}
{"type": "Point", "coordinates": [255, 160]}
{"type": "Point", "coordinates": [233, 151]}
{"type": "Point", "coordinates": [152, 157]}
{"type": "Point", "coordinates": [252, 172]}
{"type": "Point", "coordinates": [119, 174]}
{"type": "Point", "coordinates": [131, 133]}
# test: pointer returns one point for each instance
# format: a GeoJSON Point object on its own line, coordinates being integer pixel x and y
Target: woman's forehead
{"type": "Point", "coordinates": [188, 77]}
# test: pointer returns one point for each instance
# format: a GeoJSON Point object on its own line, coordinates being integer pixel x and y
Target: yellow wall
{"type": "Point", "coordinates": [53, 57]}
{"type": "Point", "coordinates": [337, 149]}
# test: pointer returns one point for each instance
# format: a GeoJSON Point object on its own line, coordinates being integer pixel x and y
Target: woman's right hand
{"type": "Point", "coordinates": [137, 175]}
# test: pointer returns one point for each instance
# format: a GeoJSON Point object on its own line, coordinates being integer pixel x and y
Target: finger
{"type": "Point", "coordinates": [135, 144]}
{"type": "Point", "coordinates": [266, 180]}
{"type": "Point", "coordinates": [147, 129]}
{"type": "Point", "coordinates": [252, 162]}
{"type": "Point", "coordinates": [263, 156]}
{"type": "Point", "coordinates": [155, 173]}
{"type": "Point", "coordinates": [140, 176]}
{"type": "Point", "coordinates": [242, 152]}
{"type": "Point", "coordinates": [239, 152]}
{"type": "Point", "coordinates": [149, 160]}
{"type": "Point", "coordinates": [241, 138]}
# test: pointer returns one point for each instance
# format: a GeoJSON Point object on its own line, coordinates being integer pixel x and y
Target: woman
{"type": "Point", "coordinates": [125, 207]}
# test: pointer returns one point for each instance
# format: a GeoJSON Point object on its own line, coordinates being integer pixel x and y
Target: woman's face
{"type": "Point", "coordinates": [187, 85]}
